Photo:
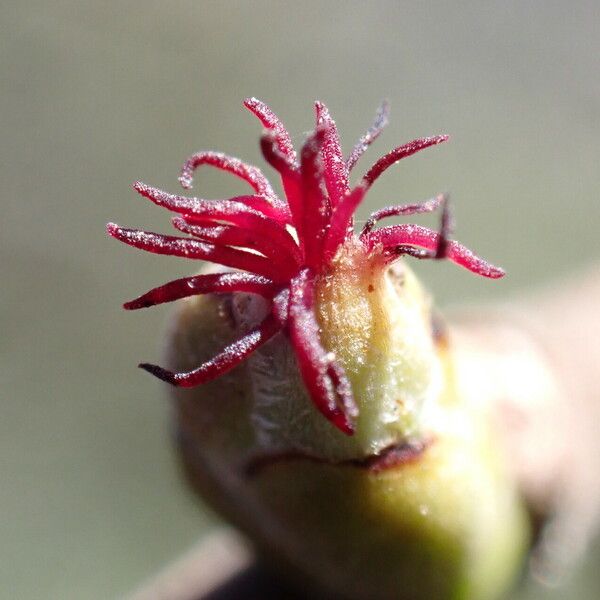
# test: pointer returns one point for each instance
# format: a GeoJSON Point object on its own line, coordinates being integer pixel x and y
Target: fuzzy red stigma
{"type": "Point", "coordinates": [253, 235]}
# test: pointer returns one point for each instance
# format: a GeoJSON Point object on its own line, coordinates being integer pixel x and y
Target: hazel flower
{"type": "Point", "coordinates": [282, 249]}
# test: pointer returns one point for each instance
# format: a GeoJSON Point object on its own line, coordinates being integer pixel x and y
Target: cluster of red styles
{"type": "Point", "coordinates": [278, 248]}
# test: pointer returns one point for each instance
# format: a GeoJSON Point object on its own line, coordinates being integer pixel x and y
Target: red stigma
{"type": "Point", "coordinates": [252, 235]}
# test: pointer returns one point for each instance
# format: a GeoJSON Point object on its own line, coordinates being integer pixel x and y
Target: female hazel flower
{"type": "Point", "coordinates": [348, 444]}
{"type": "Point", "coordinates": [284, 250]}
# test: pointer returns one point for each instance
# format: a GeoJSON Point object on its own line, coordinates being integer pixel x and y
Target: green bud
{"type": "Point", "coordinates": [442, 520]}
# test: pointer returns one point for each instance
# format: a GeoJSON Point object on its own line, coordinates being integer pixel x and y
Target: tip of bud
{"type": "Point", "coordinates": [159, 372]}
{"type": "Point", "coordinates": [137, 304]}
{"type": "Point", "coordinates": [185, 181]}
{"type": "Point", "coordinates": [112, 229]}
{"type": "Point", "coordinates": [140, 187]}
{"type": "Point", "coordinates": [343, 423]}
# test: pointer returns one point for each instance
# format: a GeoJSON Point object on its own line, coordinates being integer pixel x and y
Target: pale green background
{"type": "Point", "coordinates": [94, 95]}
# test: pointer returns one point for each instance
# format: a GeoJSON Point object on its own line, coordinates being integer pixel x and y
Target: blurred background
{"type": "Point", "coordinates": [96, 95]}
